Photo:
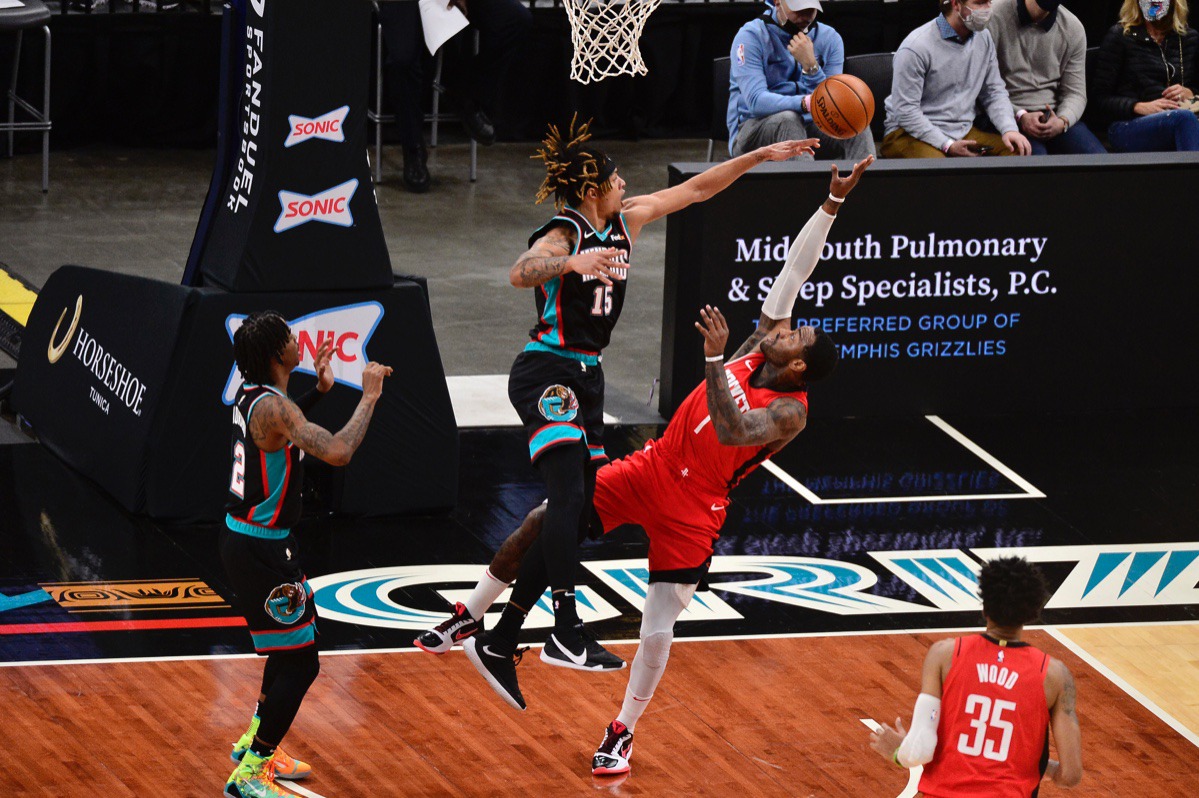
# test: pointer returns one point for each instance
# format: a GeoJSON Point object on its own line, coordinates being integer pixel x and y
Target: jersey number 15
{"type": "Point", "coordinates": [986, 715]}
{"type": "Point", "coordinates": [602, 305]}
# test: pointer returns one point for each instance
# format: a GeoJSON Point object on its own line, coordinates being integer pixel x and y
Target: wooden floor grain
{"type": "Point", "coordinates": [776, 717]}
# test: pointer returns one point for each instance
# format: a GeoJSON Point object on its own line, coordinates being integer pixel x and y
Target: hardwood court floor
{"type": "Point", "coordinates": [752, 717]}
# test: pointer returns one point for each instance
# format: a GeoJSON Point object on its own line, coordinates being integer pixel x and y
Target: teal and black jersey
{"type": "Point", "coordinates": [577, 312]}
{"type": "Point", "coordinates": [265, 487]}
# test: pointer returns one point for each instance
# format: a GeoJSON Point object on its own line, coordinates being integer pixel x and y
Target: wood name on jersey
{"type": "Point", "coordinates": [996, 675]}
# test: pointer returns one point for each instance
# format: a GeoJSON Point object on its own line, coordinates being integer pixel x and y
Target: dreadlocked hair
{"type": "Point", "coordinates": [571, 168]}
{"type": "Point", "coordinates": [259, 341]}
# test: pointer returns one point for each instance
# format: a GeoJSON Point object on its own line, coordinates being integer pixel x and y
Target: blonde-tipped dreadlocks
{"type": "Point", "coordinates": [571, 168]}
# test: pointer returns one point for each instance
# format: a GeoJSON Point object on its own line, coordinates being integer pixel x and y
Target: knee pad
{"type": "Point", "coordinates": [655, 648]}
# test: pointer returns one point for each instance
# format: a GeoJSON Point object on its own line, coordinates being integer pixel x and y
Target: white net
{"type": "Point", "coordinates": [605, 35]}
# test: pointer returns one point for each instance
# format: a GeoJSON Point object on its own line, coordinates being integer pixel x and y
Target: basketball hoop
{"type": "Point", "coordinates": [605, 34]}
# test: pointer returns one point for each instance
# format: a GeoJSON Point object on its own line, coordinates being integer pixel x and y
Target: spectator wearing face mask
{"type": "Point", "coordinates": [1146, 76]}
{"type": "Point", "coordinates": [1042, 51]}
{"type": "Point", "coordinates": [777, 61]}
{"type": "Point", "coordinates": [943, 70]}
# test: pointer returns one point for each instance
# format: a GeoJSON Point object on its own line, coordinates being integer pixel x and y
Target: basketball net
{"type": "Point", "coordinates": [605, 34]}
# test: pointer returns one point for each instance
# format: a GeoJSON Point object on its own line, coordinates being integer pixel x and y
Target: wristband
{"type": "Point", "coordinates": [309, 399]}
{"type": "Point", "coordinates": [837, 200]}
{"type": "Point", "coordinates": [1021, 113]}
{"type": "Point", "coordinates": [715, 359]}
{"type": "Point", "coordinates": [895, 757]}
{"type": "Point", "coordinates": [945, 147]}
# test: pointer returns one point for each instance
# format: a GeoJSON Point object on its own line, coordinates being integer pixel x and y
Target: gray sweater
{"type": "Point", "coordinates": [1042, 67]}
{"type": "Point", "coordinates": [939, 82]}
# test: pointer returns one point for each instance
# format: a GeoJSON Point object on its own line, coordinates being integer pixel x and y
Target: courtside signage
{"type": "Point", "coordinates": [327, 127]}
{"type": "Point", "coordinates": [350, 327]}
{"type": "Point", "coordinates": [331, 206]}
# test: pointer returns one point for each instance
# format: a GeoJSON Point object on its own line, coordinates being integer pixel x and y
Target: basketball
{"type": "Point", "coordinates": [842, 106]}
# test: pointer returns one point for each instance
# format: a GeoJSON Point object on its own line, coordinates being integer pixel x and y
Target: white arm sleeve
{"type": "Point", "coordinates": [918, 747]}
{"type": "Point", "coordinates": [801, 260]}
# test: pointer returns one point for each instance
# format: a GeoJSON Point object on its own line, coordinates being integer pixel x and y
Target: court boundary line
{"type": "Point", "coordinates": [1120, 682]}
{"type": "Point", "coordinates": [913, 786]}
{"type": "Point", "coordinates": [1030, 490]}
{"type": "Point", "coordinates": [947, 630]}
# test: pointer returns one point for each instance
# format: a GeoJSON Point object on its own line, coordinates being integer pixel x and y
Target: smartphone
{"type": "Point", "coordinates": [982, 149]}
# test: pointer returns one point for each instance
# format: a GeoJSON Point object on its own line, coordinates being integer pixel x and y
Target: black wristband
{"type": "Point", "coordinates": [309, 400]}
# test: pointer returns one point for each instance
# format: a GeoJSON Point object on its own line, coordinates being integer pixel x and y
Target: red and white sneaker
{"type": "Point", "coordinates": [442, 637]}
{"type": "Point", "coordinates": [612, 756]}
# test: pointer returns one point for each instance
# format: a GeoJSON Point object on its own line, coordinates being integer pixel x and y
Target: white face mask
{"type": "Point", "coordinates": [979, 17]}
{"type": "Point", "coordinates": [1154, 10]}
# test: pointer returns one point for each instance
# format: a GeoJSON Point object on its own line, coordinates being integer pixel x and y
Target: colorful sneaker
{"type": "Point", "coordinates": [442, 637]}
{"type": "Point", "coordinates": [612, 756]}
{"type": "Point", "coordinates": [577, 648]}
{"type": "Point", "coordinates": [286, 767]}
{"type": "Point", "coordinates": [497, 663]}
{"type": "Point", "coordinates": [255, 778]}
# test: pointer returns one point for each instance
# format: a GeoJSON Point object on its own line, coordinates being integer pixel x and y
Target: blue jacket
{"type": "Point", "coordinates": [764, 78]}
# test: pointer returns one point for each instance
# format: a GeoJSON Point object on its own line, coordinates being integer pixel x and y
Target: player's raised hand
{"type": "Point", "coordinates": [324, 371]}
{"type": "Point", "coordinates": [714, 329]}
{"type": "Point", "coordinates": [839, 186]}
{"type": "Point", "coordinates": [783, 150]}
{"type": "Point", "coordinates": [600, 263]}
{"type": "Point", "coordinates": [372, 380]}
{"type": "Point", "coordinates": [886, 740]}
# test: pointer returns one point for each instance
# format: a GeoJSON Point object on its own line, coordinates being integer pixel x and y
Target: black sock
{"type": "Point", "coordinates": [564, 470]}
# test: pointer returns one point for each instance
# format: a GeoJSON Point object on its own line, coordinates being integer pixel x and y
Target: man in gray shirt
{"type": "Point", "coordinates": [943, 70]}
{"type": "Point", "coordinates": [1042, 51]}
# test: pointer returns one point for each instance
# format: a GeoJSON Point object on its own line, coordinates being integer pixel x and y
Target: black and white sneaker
{"type": "Point", "coordinates": [497, 663]}
{"type": "Point", "coordinates": [442, 637]}
{"type": "Point", "coordinates": [612, 756]}
{"type": "Point", "coordinates": [577, 648]}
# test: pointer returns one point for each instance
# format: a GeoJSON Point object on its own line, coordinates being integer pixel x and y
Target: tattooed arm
{"type": "Point", "coordinates": [276, 419]}
{"type": "Point", "coordinates": [1066, 771]}
{"type": "Point", "coordinates": [766, 326]}
{"type": "Point", "coordinates": [550, 257]}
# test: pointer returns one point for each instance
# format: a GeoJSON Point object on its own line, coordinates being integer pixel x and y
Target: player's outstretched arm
{"type": "Point", "coordinates": [1066, 771]}
{"type": "Point", "coordinates": [276, 415]}
{"type": "Point", "coordinates": [805, 252]}
{"type": "Point", "coordinates": [780, 421]}
{"type": "Point", "coordinates": [550, 257]}
{"type": "Point", "coordinates": [640, 211]}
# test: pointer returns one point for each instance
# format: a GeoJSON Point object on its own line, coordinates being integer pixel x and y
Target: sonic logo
{"type": "Point", "coordinates": [558, 403]}
{"type": "Point", "coordinates": [327, 127]}
{"type": "Point", "coordinates": [331, 206]}
{"type": "Point", "coordinates": [350, 327]}
{"type": "Point", "coordinates": [286, 603]}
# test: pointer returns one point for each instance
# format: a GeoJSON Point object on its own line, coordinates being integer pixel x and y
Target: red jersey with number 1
{"type": "Point", "coordinates": [690, 444]}
{"type": "Point", "coordinates": [993, 736]}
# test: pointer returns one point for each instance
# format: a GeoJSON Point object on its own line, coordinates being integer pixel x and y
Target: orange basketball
{"type": "Point", "coordinates": [842, 106]}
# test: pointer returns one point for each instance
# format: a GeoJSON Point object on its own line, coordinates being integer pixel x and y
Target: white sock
{"type": "Point", "coordinates": [485, 594]}
{"type": "Point", "coordinates": [643, 680]}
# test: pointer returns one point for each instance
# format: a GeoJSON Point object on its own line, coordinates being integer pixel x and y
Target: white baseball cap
{"type": "Point", "coordinates": [803, 5]}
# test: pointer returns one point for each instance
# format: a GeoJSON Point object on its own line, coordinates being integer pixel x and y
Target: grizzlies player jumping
{"type": "Point", "coordinates": [270, 436]}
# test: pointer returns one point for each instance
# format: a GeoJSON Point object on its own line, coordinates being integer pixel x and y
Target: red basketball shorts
{"type": "Point", "coordinates": [682, 525]}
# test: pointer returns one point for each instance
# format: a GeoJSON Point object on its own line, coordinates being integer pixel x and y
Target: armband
{"type": "Point", "coordinates": [920, 743]}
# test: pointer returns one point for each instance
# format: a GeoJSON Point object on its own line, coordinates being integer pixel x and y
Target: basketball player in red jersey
{"type": "Point", "coordinates": [677, 487]}
{"type": "Point", "coordinates": [987, 701]}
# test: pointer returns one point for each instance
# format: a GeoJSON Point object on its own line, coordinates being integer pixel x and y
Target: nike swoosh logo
{"type": "Point", "coordinates": [717, 508]}
{"type": "Point", "coordinates": [577, 659]}
{"type": "Point", "coordinates": [487, 650]}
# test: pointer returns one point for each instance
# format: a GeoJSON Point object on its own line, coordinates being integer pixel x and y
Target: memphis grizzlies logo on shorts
{"type": "Point", "coordinates": [558, 403]}
{"type": "Point", "coordinates": [286, 603]}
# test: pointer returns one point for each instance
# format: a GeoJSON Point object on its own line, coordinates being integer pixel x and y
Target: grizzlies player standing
{"type": "Point", "coordinates": [577, 265]}
{"type": "Point", "coordinates": [270, 437]}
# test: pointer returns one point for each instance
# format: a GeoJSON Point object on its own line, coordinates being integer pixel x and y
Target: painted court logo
{"type": "Point", "coordinates": [331, 206]}
{"type": "Point", "coordinates": [327, 127]}
{"type": "Point", "coordinates": [558, 403]}
{"type": "Point", "coordinates": [350, 327]}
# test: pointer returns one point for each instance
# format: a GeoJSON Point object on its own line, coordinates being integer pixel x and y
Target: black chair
{"type": "Point", "coordinates": [33, 15]}
{"type": "Point", "coordinates": [875, 70]}
{"type": "Point", "coordinates": [719, 129]}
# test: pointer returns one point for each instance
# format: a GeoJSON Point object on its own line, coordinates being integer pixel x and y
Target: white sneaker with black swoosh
{"type": "Point", "coordinates": [496, 662]}
{"type": "Point", "coordinates": [577, 648]}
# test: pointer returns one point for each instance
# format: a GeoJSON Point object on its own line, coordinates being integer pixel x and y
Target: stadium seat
{"type": "Point", "coordinates": [719, 129]}
{"type": "Point", "coordinates": [875, 70]}
{"type": "Point", "coordinates": [32, 15]}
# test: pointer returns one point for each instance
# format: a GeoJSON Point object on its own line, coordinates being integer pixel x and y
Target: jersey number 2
{"type": "Point", "coordinates": [237, 486]}
{"type": "Point", "coordinates": [990, 716]}
{"type": "Point", "coordinates": [602, 305]}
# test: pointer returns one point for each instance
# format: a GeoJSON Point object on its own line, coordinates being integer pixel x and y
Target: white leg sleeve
{"type": "Point", "coordinates": [485, 594]}
{"type": "Point", "coordinates": [663, 605]}
{"type": "Point", "coordinates": [801, 260]}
